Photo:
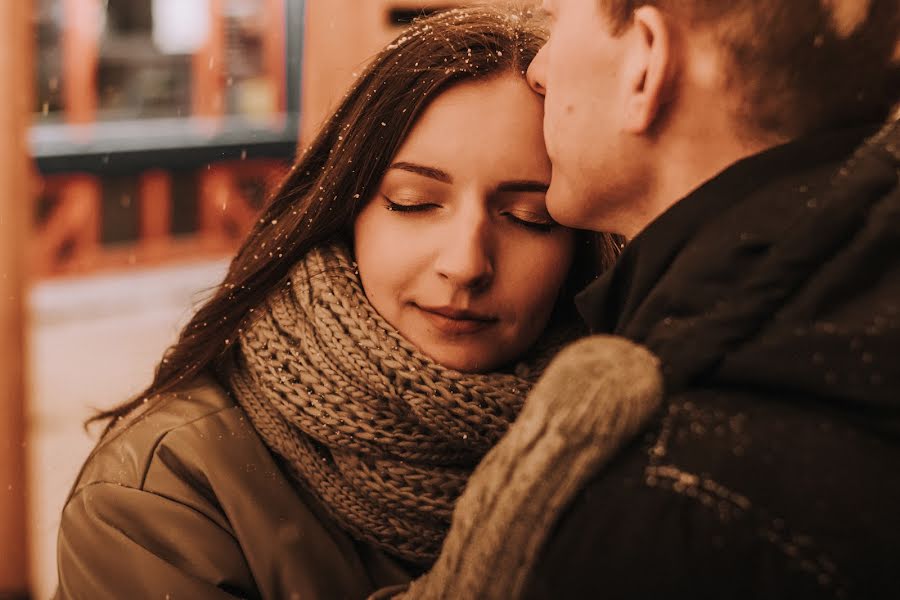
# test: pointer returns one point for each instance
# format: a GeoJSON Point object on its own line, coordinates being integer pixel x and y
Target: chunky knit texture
{"type": "Point", "coordinates": [383, 436]}
{"type": "Point", "coordinates": [593, 399]}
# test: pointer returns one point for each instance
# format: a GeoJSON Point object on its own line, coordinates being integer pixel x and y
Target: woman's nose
{"type": "Point", "coordinates": [466, 257]}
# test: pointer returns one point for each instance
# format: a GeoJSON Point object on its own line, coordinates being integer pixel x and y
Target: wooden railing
{"type": "Point", "coordinates": [68, 218]}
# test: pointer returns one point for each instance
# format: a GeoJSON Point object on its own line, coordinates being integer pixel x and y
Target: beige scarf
{"type": "Point", "coordinates": [383, 436]}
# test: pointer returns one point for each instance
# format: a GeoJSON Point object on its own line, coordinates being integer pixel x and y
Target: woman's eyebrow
{"type": "Point", "coordinates": [516, 185]}
{"type": "Point", "coordinates": [523, 185]}
{"type": "Point", "coordinates": [424, 171]}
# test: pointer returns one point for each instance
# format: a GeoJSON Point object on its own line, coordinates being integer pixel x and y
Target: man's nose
{"type": "Point", "coordinates": [466, 258]}
{"type": "Point", "coordinates": [536, 71]}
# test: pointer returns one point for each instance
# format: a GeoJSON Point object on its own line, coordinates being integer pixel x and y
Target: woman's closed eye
{"type": "Point", "coordinates": [530, 220]}
{"type": "Point", "coordinates": [408, 205]}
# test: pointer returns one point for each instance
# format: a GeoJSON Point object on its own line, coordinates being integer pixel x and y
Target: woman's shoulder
{"type": "Point", "coordinates": [195, 418]}
{"type": "Point", "coordinates": [187, 477]}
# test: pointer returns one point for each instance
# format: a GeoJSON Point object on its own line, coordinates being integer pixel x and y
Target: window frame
{"type": "Point", "coordinates": [116, 147]}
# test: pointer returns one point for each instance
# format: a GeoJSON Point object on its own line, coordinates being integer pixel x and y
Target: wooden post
{"type": "Point", "coordinates": [80, 53]}
{"type": "Point", "coordinates": [156, 206]}
{"type": "Point", "coordinates": [216, 192]}
{"type": "Point", "coordinates": [334, 46]}
{"type": "Point", "coordinates": [208, 68]}
{"type": "Point", "coordinates": [15, 200]}
{"type": "Point", "coordinates": [81, 196]}
{"type": "Point", "coordinates": [274, 59]}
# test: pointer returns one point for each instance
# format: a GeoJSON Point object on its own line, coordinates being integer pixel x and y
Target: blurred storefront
{"type": "Point", "coordinates": [158, 125]}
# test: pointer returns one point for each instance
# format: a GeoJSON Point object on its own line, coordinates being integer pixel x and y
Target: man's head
{"type": "Point", "coordinates": [645, 99]}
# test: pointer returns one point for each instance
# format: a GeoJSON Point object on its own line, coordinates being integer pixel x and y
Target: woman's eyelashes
{"type": "Point", "coordinates": [527, 219]}
{"type": "Point", "coordinates": [531, 221]}
{"type": "Point", "coordinates": [412, 206]}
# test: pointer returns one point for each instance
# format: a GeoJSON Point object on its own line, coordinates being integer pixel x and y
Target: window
{"type": "Point", "coordinates": [140, 99]}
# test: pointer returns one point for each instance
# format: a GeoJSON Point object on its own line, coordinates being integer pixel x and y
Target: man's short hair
{"type": "Point", "coordinates": [797, 66]}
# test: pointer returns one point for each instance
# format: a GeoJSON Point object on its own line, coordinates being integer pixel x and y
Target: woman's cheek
{"type": "Point", "coordinates": [537, 272]}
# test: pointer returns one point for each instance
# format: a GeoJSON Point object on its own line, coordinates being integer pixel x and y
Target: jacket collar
{"type": "Point", "coordinates": [607, 304]}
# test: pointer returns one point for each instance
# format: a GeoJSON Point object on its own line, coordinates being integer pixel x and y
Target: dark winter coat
{"type": "Point", "coordinates": [186, 502]}
{"type": "Point", "coordinates": [771, 296]}
{"type": "Point", "coordinates": [769, 300]}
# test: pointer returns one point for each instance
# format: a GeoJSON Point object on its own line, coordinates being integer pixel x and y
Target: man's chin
{"type": "Point", "coordinates": [568, 206]}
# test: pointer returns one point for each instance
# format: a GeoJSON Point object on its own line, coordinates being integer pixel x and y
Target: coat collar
{"type": "Point", "coordinates": [607, 304]}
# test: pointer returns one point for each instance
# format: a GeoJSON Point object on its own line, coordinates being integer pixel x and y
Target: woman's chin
{"type": "Point", "coordinates": [466, 360]}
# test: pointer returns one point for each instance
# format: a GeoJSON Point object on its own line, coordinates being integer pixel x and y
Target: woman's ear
{"type": "Point", "coordinates": [649, 68]}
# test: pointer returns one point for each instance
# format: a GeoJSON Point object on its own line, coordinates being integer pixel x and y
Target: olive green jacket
{"type": "Point", "coordinates": [186, 502]}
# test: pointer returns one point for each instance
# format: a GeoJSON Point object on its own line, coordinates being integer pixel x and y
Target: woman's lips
{"type": "Point", "coordinates": [452, 321]}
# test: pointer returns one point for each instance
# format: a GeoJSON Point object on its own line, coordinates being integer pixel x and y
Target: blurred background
{"type": "Point", "coordinates": [138, 140]}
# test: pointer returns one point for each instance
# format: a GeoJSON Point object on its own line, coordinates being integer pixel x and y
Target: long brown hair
{"type": "Point", "coordinates": [325, 189]}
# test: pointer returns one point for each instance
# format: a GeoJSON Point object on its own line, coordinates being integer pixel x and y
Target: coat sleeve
{"type": "Point", "coordinates": [620, 538]}
{"type": "Point", "coordinates": [121, 542]}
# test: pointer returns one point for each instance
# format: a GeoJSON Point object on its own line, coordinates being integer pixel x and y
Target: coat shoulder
{"type": "Point", "coordinates": [202, 410]}
{"type": "Point", "coordinates": [732, 494]}
{"type": "Point", "coordinates": [190, 487]}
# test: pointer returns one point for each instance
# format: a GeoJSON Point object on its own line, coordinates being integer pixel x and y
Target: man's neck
{"type": "Point", "coordinates": [684, 165]}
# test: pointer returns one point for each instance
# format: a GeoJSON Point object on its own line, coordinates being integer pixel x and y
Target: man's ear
{"type": "Point", "coordinates": [649, 68]}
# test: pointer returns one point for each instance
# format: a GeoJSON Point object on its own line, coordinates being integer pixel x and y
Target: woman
{"type": "Point", "coordinates": [375, 335]}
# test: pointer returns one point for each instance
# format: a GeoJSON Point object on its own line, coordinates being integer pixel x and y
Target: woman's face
{"type": "Point", "coordinates": [456, 250]}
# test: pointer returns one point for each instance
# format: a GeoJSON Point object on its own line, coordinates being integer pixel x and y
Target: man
{"type": "Point", "coordinates": [762, 272]}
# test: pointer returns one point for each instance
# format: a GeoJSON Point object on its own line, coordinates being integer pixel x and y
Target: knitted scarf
{"type": "Point", "coordinates": [383, 436]}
